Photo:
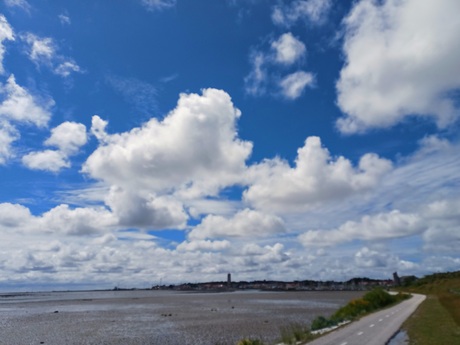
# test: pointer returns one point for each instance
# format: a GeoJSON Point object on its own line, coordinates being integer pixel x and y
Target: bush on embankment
{"type": "Point", "coordinates": [371, 301]}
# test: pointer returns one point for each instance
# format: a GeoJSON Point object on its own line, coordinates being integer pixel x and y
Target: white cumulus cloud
{"type": "Point", "coordinates": [42, 50]}
{"type": "Point", "coordinates": [13, 215]}
{"type": "Point", "coordinates": [264, 78]}
{"type": "Point", "coordinates": [78, 221]}
{"type": "Point", "coordinates": [375, 258]}
{"type": "Point", "coordinates": [288, 49]}
{"type": "Point", "coordinates": [401, 59]}
{"type": "Point", "coordinates": [145, 210]}
{"type": "Point", "coordinates": [294, 84]}
{"type": "Point", "coordinates": [245, 223]}
{"type": "Point", "coordinates": [194, 149]}
{"type": "Point", "coordinates": [316, 178]}
{"type": "Point", "coordinates": [49, 160]}
{"type": "Point", "coordinates": [68, 137]}
{"type": "Point", "coordinates": [19, 105]}
{"type": "Point", "coordinates": [389, 225]}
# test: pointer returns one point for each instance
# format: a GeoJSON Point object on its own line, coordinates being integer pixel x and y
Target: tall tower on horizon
{"type": "Point", "coordinates": [229, 280]}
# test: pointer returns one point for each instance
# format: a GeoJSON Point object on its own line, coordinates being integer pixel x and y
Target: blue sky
{"type": "Point", "coordinates": [171, 140]}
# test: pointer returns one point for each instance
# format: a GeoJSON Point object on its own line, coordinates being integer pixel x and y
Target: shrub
{"type": "Point", "coordinates": [378, 298]}
{"type": "Point", "coordinates": [352, 309]}
{"type": "Point", "coordinates": [295, 332]}
{"type": "Point", "coordinates": [321, 322]}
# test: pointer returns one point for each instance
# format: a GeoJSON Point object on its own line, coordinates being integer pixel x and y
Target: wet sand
{"type": "Point", "coordinates": [158, 317]}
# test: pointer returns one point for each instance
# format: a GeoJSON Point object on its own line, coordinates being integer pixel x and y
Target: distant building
{"type": "Point", "coordinates": [229, 280]}
{"type": "Point", "coordinates": [396, 279]}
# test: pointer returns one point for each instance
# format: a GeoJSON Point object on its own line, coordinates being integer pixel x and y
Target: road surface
{"type": "Point", "coordinates": [374, 329]}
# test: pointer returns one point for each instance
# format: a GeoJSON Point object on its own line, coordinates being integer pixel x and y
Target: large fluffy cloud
{"type": "Point", "coordinates": [145, 210]}
{"type": "Point", "coordinates": [401, 60]}
{"type": "Point", "coordinates": [194, 149]}
{"type": "Point", "coordinates": [316, 178]}
{"type": "Point", "coordinates": [192, 153]}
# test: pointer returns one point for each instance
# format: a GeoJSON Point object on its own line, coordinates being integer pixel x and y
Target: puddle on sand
{"type": "Point", "coordinates": [400, 338]}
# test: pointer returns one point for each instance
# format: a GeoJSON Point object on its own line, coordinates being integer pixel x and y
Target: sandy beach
{"type": "Point", "coordinates": [158, 317]}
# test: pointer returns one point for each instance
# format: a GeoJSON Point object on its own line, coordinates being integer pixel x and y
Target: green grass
{"type": "Point", "coordinates": [437, 320]}
{"type": "Point", "coordinates": [432, 324]}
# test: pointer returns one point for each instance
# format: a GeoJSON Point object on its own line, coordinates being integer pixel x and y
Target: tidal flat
{"type": "Point", "coordinates": [159, 317]}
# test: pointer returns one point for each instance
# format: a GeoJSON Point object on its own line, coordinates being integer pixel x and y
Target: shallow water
{"type": "Point", "coordinates": [401, 338]}
{"type": "Point", "coordinates": [158, 317]}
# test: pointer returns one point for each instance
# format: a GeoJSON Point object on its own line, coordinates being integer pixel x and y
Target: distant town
{"type": "Point", "coordinates": [354, 284]}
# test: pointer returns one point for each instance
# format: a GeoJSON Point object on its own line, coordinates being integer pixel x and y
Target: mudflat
{"type": "Point", "coordinates": [158, 317]}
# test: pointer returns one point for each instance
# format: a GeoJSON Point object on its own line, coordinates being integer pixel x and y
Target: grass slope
{"type": "Point", "coordinates": [437, 320]}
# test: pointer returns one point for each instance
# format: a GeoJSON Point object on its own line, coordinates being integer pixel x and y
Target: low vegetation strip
{"type": "Point", "coordinates": [370, 302]}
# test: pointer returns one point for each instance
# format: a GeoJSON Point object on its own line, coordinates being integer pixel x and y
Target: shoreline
{"type": "Point", "coordinates": [153, 317]}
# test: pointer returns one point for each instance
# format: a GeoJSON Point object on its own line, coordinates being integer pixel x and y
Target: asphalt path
{"type": "Point", "coordinates": [374, 329]}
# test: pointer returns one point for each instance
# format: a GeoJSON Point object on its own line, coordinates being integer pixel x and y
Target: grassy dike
{"type": "Point", "coordinates": [437, 320]}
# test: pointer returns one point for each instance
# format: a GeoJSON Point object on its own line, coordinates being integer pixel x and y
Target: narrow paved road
{"type": "Point", "coordinates": [374, 329]}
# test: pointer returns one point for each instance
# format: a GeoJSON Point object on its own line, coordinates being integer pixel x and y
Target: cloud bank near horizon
{"type": "Point", "coordinates": [179, 196]}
